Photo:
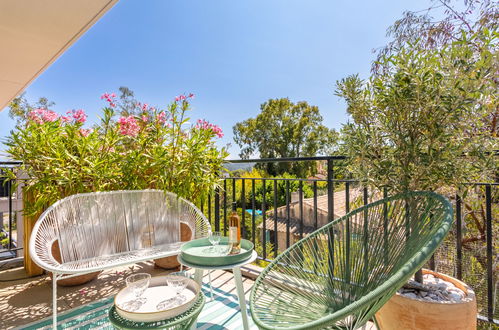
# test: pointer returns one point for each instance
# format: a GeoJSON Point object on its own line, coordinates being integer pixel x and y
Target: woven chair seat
{"type": "Point", "coordinates": [339, 276]}
{"type": "Point", "coordinates": [119, 259]}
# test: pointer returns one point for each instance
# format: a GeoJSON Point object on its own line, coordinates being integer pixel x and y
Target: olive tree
{"type": "Point", "coordinates": [417, 124]}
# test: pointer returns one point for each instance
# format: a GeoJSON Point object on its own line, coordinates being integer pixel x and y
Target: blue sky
{"type": "Point", "coordinates": [233, 55]}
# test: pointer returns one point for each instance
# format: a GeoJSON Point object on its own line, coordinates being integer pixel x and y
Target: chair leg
{"type": "Point", "coordinates": [54, 300]}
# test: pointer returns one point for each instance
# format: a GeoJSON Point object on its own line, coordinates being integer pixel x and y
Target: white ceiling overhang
{"type": "Point", "coordinates": [34, 33]}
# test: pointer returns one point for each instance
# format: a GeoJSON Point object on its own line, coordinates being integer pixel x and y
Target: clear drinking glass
{"type": "Point", "coordinates": [138, 283]}
{"type": "Point", "coordinates": [214, 239]}
{"type": "Point", "coordinates": [178, 282]}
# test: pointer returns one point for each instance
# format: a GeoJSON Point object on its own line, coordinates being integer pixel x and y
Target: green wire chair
{"type": "Point", "coordinates": [339, 276]}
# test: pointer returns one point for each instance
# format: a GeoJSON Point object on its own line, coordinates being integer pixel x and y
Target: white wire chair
{"type": "Point", "coordinates": [102, 230]}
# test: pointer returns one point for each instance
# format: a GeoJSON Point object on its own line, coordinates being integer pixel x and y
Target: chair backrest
{"type": "Point", "coordinates": [107, 223]}
{"type": "Point", "coordinates": [341, 274]}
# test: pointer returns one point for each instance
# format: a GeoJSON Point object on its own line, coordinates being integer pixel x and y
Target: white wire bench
{"type": "Point", "coordinates": [102, 230]}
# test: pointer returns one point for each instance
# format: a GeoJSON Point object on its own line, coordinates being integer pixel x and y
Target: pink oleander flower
{"type": "Point", "coordinates": [33, 116]}
{"type": "Point", "coordinates": [78, 115]}
{"type": "Point", "coordinates": [65, 119]}
{"type": "Point", "coordinates": [182, 97]}
{"type": "Point", "coordinates": [129, 126]}
{"type": "Point", "coordinates": [85, 131]}
{"type": "Point", "coordinates": [161, 117]}
{"type": "Point", "coordinates": [144, 106]}
{"type": "Point", "coordinates": [145, 118]}
{"type": "Point", "coordinates": [49, 116]}
{"type": "Point", "coordinates": [41, 116]}
{"type": "Point", "coordinates": [205, 125]}
{"type": "Point", "coordinates": [109, 97]}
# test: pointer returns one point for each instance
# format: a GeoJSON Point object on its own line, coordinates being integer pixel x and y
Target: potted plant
{"type": "Point", "coordinates": [135, 146]}
{"type": "Point", "coordinates": [415, 126]}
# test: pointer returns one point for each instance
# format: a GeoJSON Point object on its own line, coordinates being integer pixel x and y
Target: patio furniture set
{"type": "Point", "coordinates": [336, 277]}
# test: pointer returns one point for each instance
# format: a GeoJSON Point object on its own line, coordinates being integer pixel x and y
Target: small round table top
{"type": "Point", "coordinates": [253, 257]}
{"type": "Point", "coordinates": [181, 321]}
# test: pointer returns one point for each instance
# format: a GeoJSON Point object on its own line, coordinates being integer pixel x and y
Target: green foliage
{"type": "Point", "coordinates": [416, 123]}
{"type": "Point", "coordinates": [285, 129]}
{"type": "Point", "coordinates": [151, 150]}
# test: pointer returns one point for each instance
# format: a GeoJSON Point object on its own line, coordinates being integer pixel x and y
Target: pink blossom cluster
{"type": "Point", "coordinates": [205, 125]}
{"type": "Point", "coordinates": [41, 116]}
{"type": "Point", "coordinates": [143, 107]}
{"type": "Point", "coordinates": [85, 131]}
{"type": "Point", "coordinates": [129, 126]}
{"type": "Point", "coordinates": [109, 97]}
{"type": "Point", "coordinates": [184, 97]}
{"type": "Point", "coordinates": [161, 117]}
{"type": "Point", "coordinates": [78, 115]}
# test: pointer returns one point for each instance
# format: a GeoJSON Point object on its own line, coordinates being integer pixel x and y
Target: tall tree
{"type": "Point", "coordinates": [285, 129]}
{"type": "Point", "coordinates": [427, 116]}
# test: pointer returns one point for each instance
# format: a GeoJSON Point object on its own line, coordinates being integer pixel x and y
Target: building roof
{"type": "Point", "coordinates": [294, 226]}
{"type": "Point", "coordinates": [34, 33]}
{"type": "Point", "coordinates": [339, 201]}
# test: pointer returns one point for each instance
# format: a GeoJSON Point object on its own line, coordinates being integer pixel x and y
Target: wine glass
{"type": "Point", "coordinates": [138, 283]}
{"type": "Point", "coordinates": [178, 282]}
{"type": "Point", "coordinates": [214, 239]}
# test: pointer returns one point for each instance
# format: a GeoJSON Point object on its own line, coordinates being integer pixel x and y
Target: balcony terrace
{"type": "Point", "coordinates": [300, 206]}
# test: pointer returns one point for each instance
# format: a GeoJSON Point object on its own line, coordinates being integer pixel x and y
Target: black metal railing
{"type": "Point", "coordinates": [10, 232]}
{"type": "Point", "coordinates": [284, 210]}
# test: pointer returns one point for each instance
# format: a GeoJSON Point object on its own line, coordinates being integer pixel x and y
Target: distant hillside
{"type": "Point", "coordinates": [239, 166]}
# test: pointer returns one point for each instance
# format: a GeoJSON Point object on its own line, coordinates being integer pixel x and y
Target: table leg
{"type": "Point", "coordinates": [198, 276]}
{"type": "Point", "coordinates": [240, 294]}
{"type": "Point", "coordinates": [211, 286]}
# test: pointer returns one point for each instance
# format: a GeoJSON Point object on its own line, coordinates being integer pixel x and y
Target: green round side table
{"type": "Point", "coordinates": [183, 321]}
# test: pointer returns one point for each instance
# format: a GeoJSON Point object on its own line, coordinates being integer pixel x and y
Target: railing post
{"type": "Point", "coordinates": [253, 206]}
{"type": "Point", "coordinates": [225, 207]}
{"type": "Point", "coordinates": [9, 190]}
{"type": "Point", "coordinates": [330, 190]}
{"type": "Point", "coordinates": [330, 217]}
{"type": "Point", "coordinates": [243, 208]}
{"type": "Point", "coordinates": [217, 209]}
{"type": "Point", "coordinates": [459, 237]}
{"type": "Point", "coordinates": [300, 196]}
{"type": "Point", "coordinates": [264, 222]}
{"type": "Point", "coordinates": [209, 206]}
{"type": "Point", "coordinates": [288, 214]}
{"type": "Point", "coordinates": [276, 236]}
{"type": "Point", "coordinates": [490, 282]}
{"type": "Point", "coordinates": [316, 218]}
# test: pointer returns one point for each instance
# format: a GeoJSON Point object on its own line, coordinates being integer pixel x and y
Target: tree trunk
{"type": "Point", "coordinates": [418, 277]}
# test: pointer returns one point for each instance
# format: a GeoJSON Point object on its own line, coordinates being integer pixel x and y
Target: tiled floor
{"type": "Point", "coordinates": [25, 300]}
{"type": "Point", "coordinates": [29, 299]}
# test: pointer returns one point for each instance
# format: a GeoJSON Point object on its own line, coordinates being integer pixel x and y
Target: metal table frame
{"type": "Point", "coordinates": [236, 270]}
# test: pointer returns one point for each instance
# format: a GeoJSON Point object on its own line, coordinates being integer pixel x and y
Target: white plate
{"type": "Point", "coordinates": [157, 292]}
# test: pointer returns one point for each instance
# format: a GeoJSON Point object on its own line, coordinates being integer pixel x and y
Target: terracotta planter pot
{"type": "Point", "coordinates": [72, 281]}
{"type": "Point", "coordinates": [171, 262]}
{"type": "Point", "coordinates": [31, 268]}
{"type": "Point", "coordinates": [401, 312]}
